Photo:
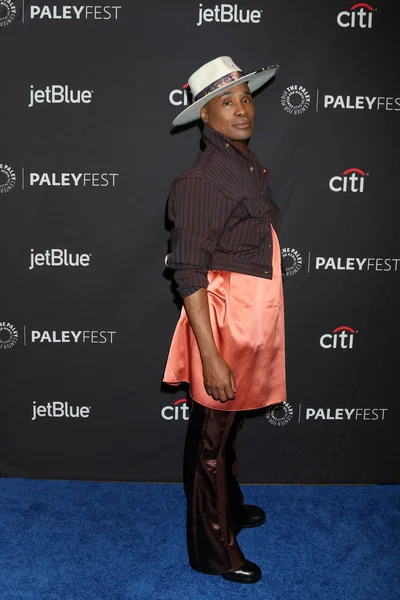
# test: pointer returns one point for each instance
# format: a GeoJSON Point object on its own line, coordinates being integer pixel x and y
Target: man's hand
{"type": "Point", "coordinates": [219, 381]}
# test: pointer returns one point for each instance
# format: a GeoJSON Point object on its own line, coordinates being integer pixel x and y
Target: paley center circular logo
{"type": "Point", "coordinates": [295, 99]}
{"type": "Point", "coordinates": [8, 335]}
{"type": "Point", "coordinates": [7, 12]}
{"type": "Point", "coordinates": [280, 415]}
{"type": "Point", "coordinates": [293, 262]}
{"type": "Point", "coordinates": [7, 178]}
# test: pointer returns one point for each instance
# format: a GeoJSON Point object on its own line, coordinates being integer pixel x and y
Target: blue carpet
{"type": "Point", "coordinates": [69, 540]}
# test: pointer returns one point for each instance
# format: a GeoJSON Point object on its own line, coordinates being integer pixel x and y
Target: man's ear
{"type": "Point", "coordinates": [204, 115]}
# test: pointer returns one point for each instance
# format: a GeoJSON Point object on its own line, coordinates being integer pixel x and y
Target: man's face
{"type": "Point", "coordinates": [231, 113]}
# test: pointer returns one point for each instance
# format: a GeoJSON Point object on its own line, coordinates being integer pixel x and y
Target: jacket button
{"type": "Point", "coordinates": [251, 168]}
{"type": "Point", "coordinates": [257, 212]}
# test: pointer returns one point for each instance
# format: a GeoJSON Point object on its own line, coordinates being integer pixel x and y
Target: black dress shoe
{"type": "Point", "coordinates": [249, 572]}
{"type": "Point", "coordinates": [255, 516]}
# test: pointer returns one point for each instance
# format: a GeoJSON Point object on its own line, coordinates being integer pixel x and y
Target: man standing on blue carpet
{"type": "Point", "coordinates": [229, 343]}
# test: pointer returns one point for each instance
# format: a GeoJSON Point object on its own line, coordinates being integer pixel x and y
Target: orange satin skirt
{"type": "Point", "coordinates": [247, 320]}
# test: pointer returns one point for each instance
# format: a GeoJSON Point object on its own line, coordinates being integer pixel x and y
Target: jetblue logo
{"type": "Point", "coordinates": [58, 257]}
{"type": "Point", "coordinates": [227, 13]}
{"type": "Point", "coordinates": [59, 94]}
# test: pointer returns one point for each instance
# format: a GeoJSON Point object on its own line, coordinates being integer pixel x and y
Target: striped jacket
{"type": "Point", "coordinates": [222, 210]}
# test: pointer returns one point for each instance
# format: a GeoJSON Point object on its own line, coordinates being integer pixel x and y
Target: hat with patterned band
{"type": "Point", "coordinates": [215, 77]}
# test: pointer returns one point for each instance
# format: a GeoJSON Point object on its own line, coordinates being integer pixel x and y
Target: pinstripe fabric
{"type": "Point", "coordinates": [222, 210]}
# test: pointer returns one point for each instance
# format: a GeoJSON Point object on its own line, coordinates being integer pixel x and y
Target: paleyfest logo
{"type": "Point", "coordinates": [71, 337]}
{"type": "Point", "coordinates": [345, 414]}
{"type": "Point", "coordinates": [60, 179]}
{"type": "Point", "coordinates": [295, 261]}
{"type": "Point", "coordinates": [360, 15]}
{"type": "Point", "coordinates": [72, 179]}
{"type": "Point", "coordinates": [7, 179]}
{"type": "Point", "coordinates": [8, 335]}
{"type": "Point", "coordinates": [351, 180]}
{"type": "Point", "coordinates": [7, 12]}
{"type": "Point", "coordinates": [295, 99]}
{"type": "Point", "coordinates": [280, 414]}
{"type": "Point", "coordinates": [58, 12]}
{"type": "Point", "coordinates": [68, 12]}
{"type": "Point", "coordinates": [389, 103]}
{"type": "Point", "coordinates": [354, 263]}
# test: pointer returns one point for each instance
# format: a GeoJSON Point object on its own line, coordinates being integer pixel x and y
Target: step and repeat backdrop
{"type": "Point", "coordinates": [87, 306]}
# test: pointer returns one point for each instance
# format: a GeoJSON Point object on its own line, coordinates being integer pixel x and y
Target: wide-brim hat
{"type": "Point", "coordinates": [215, 77]}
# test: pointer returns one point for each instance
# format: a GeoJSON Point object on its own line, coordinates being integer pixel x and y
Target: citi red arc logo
{"type": "Point", "coordinates": [341, 338]}
{"type": "Point", "coordinates": [179, 410]}
{"type": "Point", "coordinates": [351, 180]}
{"type": "Point", "coordinates": [179, 97]}
{"type": "Point", "coordinates": [359, 15]}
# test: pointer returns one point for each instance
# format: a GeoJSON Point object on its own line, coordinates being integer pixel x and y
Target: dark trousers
{"type": "Point", "coordinates": [215, 508]}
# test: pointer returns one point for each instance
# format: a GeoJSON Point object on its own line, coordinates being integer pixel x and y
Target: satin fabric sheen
{"type": "Point", "coordinates": [215, 505]}
{"type": "Point", "coordinates": [247, 320]}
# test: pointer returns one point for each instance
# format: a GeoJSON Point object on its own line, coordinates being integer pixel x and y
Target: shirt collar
{"type": "Point", "coordinates": [214, 137]}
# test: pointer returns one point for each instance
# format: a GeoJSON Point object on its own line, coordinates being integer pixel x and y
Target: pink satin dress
{"type": "Point", "coordinates": [247, 320]}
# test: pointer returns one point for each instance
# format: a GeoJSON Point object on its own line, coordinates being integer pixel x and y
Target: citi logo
{"type": "Point", "coordinates": [341, 338]}
{"type": "Point", "coordinates": [351, 180]}
{"type": "Point", "coordinates": [7, 179]}
{"type": "Point", "coordinates": [179, 411]}
{"type": "Point", "coordinates": [58, 258]}
{"type": "Point", "coordinates": [179, 97]}
{"type": "Point", "coordinates": [58, 410]}
{"type": "Point", "coordinates": [59, 94]}
{"type": "Point", "coordinates": [359, 15]}
{"type": "Point", "coordinates": [227, 13]}
{"type": "Point", "coordinates": [7, 12]}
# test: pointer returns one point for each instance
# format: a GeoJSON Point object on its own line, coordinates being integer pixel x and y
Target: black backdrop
{"type": "Point", "coordinates": [87, 156]}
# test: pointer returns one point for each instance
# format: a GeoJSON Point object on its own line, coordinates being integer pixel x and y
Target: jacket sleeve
{"type": "Point", "coordinates": [192, 207]}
